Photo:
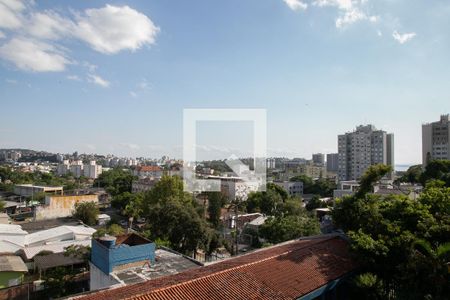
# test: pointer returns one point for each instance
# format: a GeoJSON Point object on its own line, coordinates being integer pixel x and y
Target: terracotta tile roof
{"type": "Point", "coordinates": [149, 168]}
{"type": "Point", "coordinates": [285, 271]}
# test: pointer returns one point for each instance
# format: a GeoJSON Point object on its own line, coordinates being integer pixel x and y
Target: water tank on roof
{"type": "Point", "coordinates": [108, 241]}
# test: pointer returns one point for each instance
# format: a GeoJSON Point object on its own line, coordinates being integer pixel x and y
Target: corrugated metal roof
{"type": "Point", "coordinates": [10, 263]}
{"type": "Point", "coordinates": [11, 229]}
{"type": "Point", "coordinates": [49, 261]}
{"type": "Point", "coordinates": [56, 247]}
{"type": "Point", "coordinates": [41, 236]}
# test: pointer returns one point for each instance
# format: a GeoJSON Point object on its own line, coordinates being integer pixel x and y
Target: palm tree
{"type": "Point", "coordinates": [133, 211]}
{"type": "Point", "coordinates": [434, 264]}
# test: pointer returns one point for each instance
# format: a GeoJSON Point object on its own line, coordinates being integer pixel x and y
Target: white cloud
{"type": "Point", "coordinates": [374, 19]}
{"type": "Point", "coordinates": [296, 4]}
{"type": "Point", "coordinates": [49, 25]}
{"type": "Point", "coordinates": [98, 80]}
{"type": "Point", "coordinates": [32, 55]}
{"type": "Point", "coordinates": [10, 13]}
{"type": "Point", "coordinates": [144, 85]}
{"type": "Point", "coordinates": [350, 11]}
{"type": "Point", "coordinates": [133, 94]}
{"type": "Point", "coordinates": [89, 66]}
{"type": "Point", "coordinates": [379, 33]}
{"type": "Point", "coordinates": [11, 81]}
{"type": "Point", "coordinates": [350, 17]}
{"type": "Point", "coordinates": [111, 29]}
{"type": "Point", "coordinates": [341, 4]}
{"type": "Point", "coordinates": [73, 77]}
{"type": "Point", "coordinates": [403, 38]}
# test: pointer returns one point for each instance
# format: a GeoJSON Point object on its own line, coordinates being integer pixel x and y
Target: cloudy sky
{"type": "Point", "coordinates": [115, 76]}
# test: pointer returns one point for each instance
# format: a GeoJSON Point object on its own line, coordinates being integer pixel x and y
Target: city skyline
{"type": "Point", "coordinates": [320, 68]}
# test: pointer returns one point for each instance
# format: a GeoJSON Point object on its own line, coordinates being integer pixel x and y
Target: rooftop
{"type": "Point", "coordinates": [284, 271]}
{"type": "Point", "coordinates": [55, 247]}
{"type": "Point", "coordinates": [47, 224]}
{"type": "Point", "coordinates": [11, 229]}
{"type": "Point", "coordinates": [44, 262]}
{"type": "Point", "coordinates": [55, 233]}
{"type": "Point", "coordinates": [11, 263]}
{"type": "Point", "coordinates": [149, 168]}
{"type": "Point", "coordinates": [167, 263]}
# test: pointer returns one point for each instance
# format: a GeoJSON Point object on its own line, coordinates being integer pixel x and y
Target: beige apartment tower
{"type": "Point", "coordinates": [362, 148]}
{"type": "Point", "coordinates": [435, 140]}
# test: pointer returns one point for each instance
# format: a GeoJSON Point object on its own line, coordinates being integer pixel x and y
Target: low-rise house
{"type": "Point", "coordinates": [42, 263]}
{"type": "Point", "coordinates": [256, 223]}
{"type": "Point", "coordinates": [11, 238]}
{"type": "Point", "coordinates": [103, 219]}
{"type": "Point", "coordinates": [58, 206]}
{"type": "Point", "coordinates": [293, 188]}
{"type": "Point", "coordinates": [28, 190]}
{"type": "Point", "coordinates": [143, 185]}
{"type": "Point", "coordinates": [148, 171]}
{"type": "Point", "coordinates": [235, 187]}
{"type": "Point", "coordinates": [12, 270]}
{"type": "Point", "coordinates": [4, 218]}
{"type": "Point", "coordinates": [15, 240]}
{"type": "Point", "coordinates": [130, 258]}
{"type": "Point", "coordinates": [308, 268]}
{"type": "Point", "coordinates": [346, 188]}
{"type": "Point", "coordinates": [241, 220]}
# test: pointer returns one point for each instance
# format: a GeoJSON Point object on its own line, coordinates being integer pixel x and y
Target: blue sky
{"type": "Point", "coordinates": [115, 76]}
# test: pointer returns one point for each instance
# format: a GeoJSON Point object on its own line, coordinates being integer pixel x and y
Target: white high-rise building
{"type": "Point", "coordinates": [362, 148]}
{"type": "Point", "coordinates": [92, 170]}
{"type": "Point", "coordinates": [63, 168]}
{"type": "Point", "coordinates": [436, 140]}
{"type": "Point", "coordinates": [76, 168]}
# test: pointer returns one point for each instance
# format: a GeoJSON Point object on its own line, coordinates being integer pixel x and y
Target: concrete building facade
{"type": "Point", "coordinates": [332, 162]}
{"type": "Point", "coordinates": [362, 148]}
{"type": "Point", "coordinates": [291, 187]}
{"type": "Point", "coordinates": [436, 140]}
{"type": "Point", "coordinates": [318, 159]}
{"type": "Point", "coordinates": [61, 206]}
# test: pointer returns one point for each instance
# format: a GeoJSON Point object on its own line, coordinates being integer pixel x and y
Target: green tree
{"type": "Point", "coordinates": [215, 203]}
{"type": "Point", "coordinates": [372, 175]}
{"type": "Point", "coordinates": [264, 202]}
{"type": "Point", "coordinates": [87, 212]}
{"type": "Point", "coordinates": [384, 232]}
{"type": "Point", "coordinates": [412, 175]}
{"type": "Point", "coordinates": [437, 169]}
{"type": "Point", "coordinates": [177, 223]}
{"type": "Point", "coordinates": [115, 181]}
{"type": "Point", "coordinates": [134, 208]}
{"type": "Point", "coordinates": [308, 183]}
{"type": "Point", "coordinates": [113, 230]}
{"type": "Point", "coordinates": [368, 286]}
{"type": "Point", "coordinates": [315, 202]}
{"type": "Point", "coordinates": [172, 216]}
{"type": "Point", "coordinates": [280, 229]}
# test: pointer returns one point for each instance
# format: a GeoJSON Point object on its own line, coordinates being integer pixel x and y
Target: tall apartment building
{"type": "Point", "coordinates": [76, 168]}
{"type": "Point", "coordinates": [318, 159]}
{"type": "Point", "coordinates": [362, 148]}
{"type": "Point", "coordinates": [332, 162]}
{"type": "Point", "coordinates": [91, 170]}
{"type": "Point", "coordinates": [436, 140]}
